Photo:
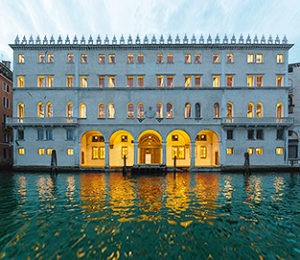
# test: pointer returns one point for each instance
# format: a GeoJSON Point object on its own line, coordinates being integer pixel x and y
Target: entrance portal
{"type": "Point", "coordinates": [150, 148]}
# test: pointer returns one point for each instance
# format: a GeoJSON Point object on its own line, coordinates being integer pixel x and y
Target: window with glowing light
{"type": "Point", "coordinates": [49, 81]}
{"type": "Point", "coordinates": [160, 81]}
{"type": "Point", "coordinates": [101, 81]}
{"type": "Point", "coordinates": [170, 58]}
{"type": "Point", "coordinates": [70, 151]}
{"type": "Point", "coordinates": [229, 57]}
{"type": "Point", "coordinates": [216, 81]}
{"type": "Point", "coordinates": [159, 110]}
{"type": "Point", "coordinates": [187, 58]}
{"type": "Point", "coordinates": [98, 152]}
{"type": "Point", "coordinates": [250, 150]}
{"type": "Point", "coordinates": [187, 110]}
{"type": "Point", "coordinates": [141, 111]}
{"type": "Point", "coordinates": [41, 81]}
{"type": "Point", "coordinates": [112, 58]}
{"type": "Point", "coordinates": [20, 81]}
{"type": "Point", "coordinates": [188, 81]}
{"type": "Point", "coordinates": [179, 152]}
{"type": "Point", "coordinates": [101, 58]}
{"type": "Point", "coordinates": [250, 81]}
{"type": "Point", "coordinates": [259, 150]}
{"type": "Point", "coordinates": [259, 81]}
{"type": "Point", "coordinates": [49, 151]}
{"type": "Point", "coordinates": [279, 150]}
{"type": "Point", "coordinates": [160, 58]}
{"type": "Point", "coordinates": [229, 81]}
{"type": "Point", "coordinates": [229, 150]}
{"type": "Point", "coordinates": [49, 110]}
{"type": "Point", "coordinates": [130, 58]}
{"type": "Point", "coordinates": [130, 110]}
{"type": "Point", "coordinates": [197, 81]}
{"type": "Point", "coordinates": [70, 81]}
{"type": "Point", "coordinates": [70, 58]}
{"type": "Point", "coordinates": [111, 81]}
{"type": "Point", "coordinates": [41, 151]}
{"type": "Point", "coordinates": [140, 81]}
{"type": "Point", "coordinates": [83, 58]}
{"type": "Point", "coordinates": [279, 58]}
{"type": "Point", "coordinates": [170, 81]}
{"type": "Point", "coordinates": [111, 110]}
{"type": "Point", "coordinates": [101, 110]}
{"type": "Point", "coordinates": [83, 81]}
{"type": "Point", "coordinates": [41, 58]}
{"type": "Point", "coordinates": [21, 151]}
{"type": "Point", "coordinates": [40, 109]}
{"type": "Point", "coordinates": [216, 110]}
{"type": "Point", "coordinates": [82, 110]}
{"type": "Point", "coordinates": [169, 110]}
{"type": "Point", "coordinates": [20, 110]}
{"type": "Point", "coordinates": [250, 58]}
{"type": "Point", "coordinates": [50, 58]}
{"type": "Point", "coordinates": [21, 58]}
{"type": "Point", "coordinates": [197, 58]}
{"type": "Point", "coordinates": [279, 81]}
{"type": "Point", "coordinates": [259, 58]}
{"type": "Point", "coordinates": [216, 58]}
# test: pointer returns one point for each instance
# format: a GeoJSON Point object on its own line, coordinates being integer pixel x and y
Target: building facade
{"type": "Point", "coordinates": [207, 102]}
{"type": "Point", "coordinates": [5, 111]}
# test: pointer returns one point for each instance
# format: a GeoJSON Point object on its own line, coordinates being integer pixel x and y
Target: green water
{"type": "Point", "coordinates": [190, 216]}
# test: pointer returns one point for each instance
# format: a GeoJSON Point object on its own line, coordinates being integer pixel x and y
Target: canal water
{"type": "Point", "coordinates": [187, 216]}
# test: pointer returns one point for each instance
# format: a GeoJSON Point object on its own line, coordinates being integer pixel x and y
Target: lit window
{"type": "Point", "coordinates": [250, 112]}
{"type": "Point", "coordinates": [130, 81]}
{"type": "Point", "coordinates": [169, 110]}
{"type": "Point", "coordinates": [70, 151]}
{"type": "Point", "coordinates": [250, 81]}
{"type": "Point", "coordinates": [216, 58]}
{"type": "Point", "coordinates": [159, 110]}
{"type": "Point", "coordinates": [187, 58]}
{"type": "Point", "coordinates": [197, 81]}
{"type": "Point", "coordinates": [70, 58]}
{"type": "Point", "coordinates": [170, 81]}
{"type": "Point", "coordinates": [101, 58]}
{"type": "Point", "coordinates": [259, 150]}
{"type": "Point", "coordinates": [83, 58]}
{"type": "Point", "coordinates": [111, 81]}
{"type": "Point", "coordinates": [160, 81]}
{"type": "Point", "coordinates": [178, 151]}
{"type": "Point", "coordinates": [49, 151]}
{"type": "Point", "coordinates": [170, 58]}
{"type": "Point", "coordinates": [229, 150]}
{"type": "Point", "coordinates": [130, 58]}
{"type": "Point", "coordinates": [98, 152]}
{"type": "Point", "coordinates": [279, 81]}
{"type": "Point", "coordinates": [20, 110]}
{"type": "Point", "coordinates": [187, 111]}
{"type": "Point", "coordinates": [197, 58]}
{"type": "Point", "coordinates": [69, 110]}
{"type": "Point", "coordinates": [259, 81]}
{"type": "Point", "coordinates": [40, 109]}
{"type": "Point", "coordinates": [50, 58]}
{"type": "Point", "coordinates": [49, 110]}
{"type": "Point", "coordinates": [216, 110]}
{"type": "Point", "coordinates": [279, 110]}
{"type": "Point", "coordinates": [250, 150]}
{"type": "Point", "coordinates": [111, 111]}
{"type": "Point", "coordinates": [229, 112]}
{"type": "Point", "coordinates": [40, 81]}
{"type": "Point", "coordinates": [216, 81]}
{"type": "Point", "coordinates": [101, 110]}
{"type": "Point", "coordinates": [20, 80]}
{"type": "Point", "coordinates": [21, 58]}
{"type": "Point", "coordinates": [229, 81]}
{"type": "Point", "coordinates": [279, 58]}
{"type": "Point", "coordinates": [140, 58]}
{"type": "Point", "coordinates": [21, 151]}
{"type": "Point", "coordinates": [140, 110]}
{"type": "Point", "coordinates": [111, 58]}
{"type": "Point", "coordinates": [140, 81]}
{"type": "Point", "coordinates": [41, 58]}
{"type": "Point", "coordinates": [49, 81]}
{"type": "Point", "coordinates": [101, 81]}
{"type": "Point", "coordinates": [259, 58]}
{"type": "Point", "coordinates": [160, 58]}
{"type": "Point", "coordinates": [250, 58]}
{"type": "Point", "coordinates": [70, 81]}
{"type": "Point", "coordinates": [279, 150]}
{"type": "Point", "coordinates": [83, 81]}
{"type": "Point", "coordinates": [82, 110]}
{"type": "Point", "coordinates": [259, 110]}
{"type": "Point", "coordinates": [130, 110]}
{"type": "Point", "coordinates": [187, 81]}
{"type": "Point", "coordinates": [229, 57]}
{"type": "Point", "coordinates": [41, 151]}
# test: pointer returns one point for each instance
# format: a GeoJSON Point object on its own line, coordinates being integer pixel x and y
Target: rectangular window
{"type": "Point", "coordinates": [250, 134]}
{"type": "Point", "coordinates": [259, 81]}
{"type": "Point", "coordinates": [250, 81]}
{"type": "Point", "coordinates": [111, 81]}
{"type": "Point", "coordinates": [40, 134]}
{"type": "Point", "coordinates": [83, 58]}
{"type": "Point", "coordinates": [130, 81]}
{"type": "Point", "coordinates": [124, 152]}
{"type": "Point", "coordinates": [170, 81]}
{"type": "Point", "coordinates": [70, 81]}
{"type": "Point", "coordinates": [250, 150]}
{"type": "Point", "coordinates": [250, 58]}
{"type": "Point", "coordinates": [130, 58]}
{"type": "Point", "coordinates": [50, 58]}
{"type": "Point", "coordinates": [188, 81]}
{"type": "Point", "coordinates": [140, 81]}
{"type": "Point", "coordinates": [197, 81]}
{"type": "Point", "coordinates": [259, 58]}
{"type": "Point", "coordinates": [229, 150]}
{"type": "Point", "coordinates": [49, 134]}
{"type": "Point", "coordinates": [216, 58]}
{"type": "Point", "coordinates": [20, 80]}
{"type": "Point", "coordinates": [170, 58]}
{"type": "Point", "coordinates": [259, 134]}
{"type": "Point", "coordinates": [21, 150]}
{"type": "Point", "coordinates": [49, 81]}
{"type": "Point", "coordinates": [40, 81]}
{"type": "Point", "coordinates": [216, 81]}
{"type": "Point", "coordinates": [112, 58]}
{"type": "Point", "coordinates": [203, 152]}
{"type": "Point", "coordinates": [70, 151]}
{"type": "Point", "coordinates": [229, 134]}
{"type": "Point", "coordinates": [229, 81]}
{"type": "Point", "coordinates": [98, 152]}
{"type": "Point", "coordinates": [160, 81]}
{"type": "Point", "coordinates": [279, 81]}
{"type": "Point", "coordinates": [101, 58]}
{"type": "Point", "coordinates": [41, 151]}
{"type": "Point", "coordinates": [41, 58]}
{"type": "Point", "coordinates": [279, 58]}
{"type": "Point", "coordinates": [83, 81]}
{"type": "Point", "coordinates": [280, 134]}
{"type": "Point", "coordinates": [70, 134]}
{"type": "Point", "coordinates": [20, 134]}
{"type": "Point", "coordinates": [140, 58]}
{"type": "Point", "coordinates": [49, 151]}
{"type": "Point", "coordinates": [197, 58]}
{"type": "Point", "coordinates": [279, 150]}
{"type": "Point", "coordinates": [70, 58]}
{"type": "Point", "coordinates": [187, 58]}
{"type": "Point", "coordinates": [160, 58]}
{"type": "Point", "coordinates": [21, 58]}
{"type": "Point", "coordinates": [178, 151]}
{"type": "Point", "coordinates": [229, 57]}
{"type": "Point", "coordinates": [101, 81]}
{"type": "Point", "coordinates": [259, 150]}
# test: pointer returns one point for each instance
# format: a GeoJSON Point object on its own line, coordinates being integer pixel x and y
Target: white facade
{"type": "Point", "coordinates": [205, 102]}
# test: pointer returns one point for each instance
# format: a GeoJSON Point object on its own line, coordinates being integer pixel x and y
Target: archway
{"type": "Point", "coordinates": [150, 146]}
{"type": "Point", "coordinates": [207, 150]}
{"type": "Point", "coordinates": [120, 144]}
{"type": "Point", "coordinates": [92, 150]}
{"type": "Point", "coordinates": [178, 144]}
{"type": "Point", "coordinates": [293, 145]}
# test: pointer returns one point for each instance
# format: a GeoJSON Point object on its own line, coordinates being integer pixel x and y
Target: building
{"type": "Point", "coordinates": [6, 76]}
{"type": "Point", "coordinates": [207, 102]}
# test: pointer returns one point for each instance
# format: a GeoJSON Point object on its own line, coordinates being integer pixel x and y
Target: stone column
{"type": "Point", "coordinates": [136, 149]}
{"type": "Point", "coordinates": [164, 152]}
{"type": "Point", "coordinates": [107, 154]}
{"type": "Point", "coordinates": [192, 153]}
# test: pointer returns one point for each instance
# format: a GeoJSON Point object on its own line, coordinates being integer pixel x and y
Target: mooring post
{"type": "Point", "coordinates": [53, 169]}
{"type": "Point", "coordinates": [247, 163]}
{"type": "Point", "coordinates": [174, 170]}
{"type": "Point", "coordinates": [124, 165]}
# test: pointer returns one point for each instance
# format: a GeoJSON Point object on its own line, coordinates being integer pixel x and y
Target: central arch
{"type": "Point", "coordinates": [150, 148]}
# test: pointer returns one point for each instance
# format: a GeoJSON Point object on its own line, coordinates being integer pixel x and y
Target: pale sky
{"type": "Point", "coordinates": [148, 17]}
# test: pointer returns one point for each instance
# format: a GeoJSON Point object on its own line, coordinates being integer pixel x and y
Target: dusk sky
{"type": "Point", "coordinates": [159, 17]}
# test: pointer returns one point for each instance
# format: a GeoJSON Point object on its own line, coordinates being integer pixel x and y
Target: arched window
{"type": "Point", "coordinates": [159, 110]}
{"type": "Point", "coordinates": [130, 110]}
{"type": "Point", "coordinates": [187, 110]}
{"type": "Point", "coordinates": [69, 110]}
{"type": "Point", "coordinates": [82, 110]}
{"type": "Point", "coordinates": [40, 109]}
{"type": "Point", "coordinates": [49, 110]}
{"type": "Point", "coordinates": [259, 110]}
{"type": "Point", "coordinates": [229, 112]}
{"type": "Point", "coordinates": [111, 110]}
{"type": "Point", "coordinates": [279, 110]}
{"type": "Point", "coordinates": [198, 110]}
{"type": "Point", "coordinates": [101, 110]}
{"type": "Point", "coordinates": [250, 112]}
{"type": "Point", "coordinates": [216, 110]}
{"type": "Point", "coordinates": [20, 110]}
{"type": "Point", "coordinates": [169, 110]}
{"type": "Point", "coordinates": [140, 110]}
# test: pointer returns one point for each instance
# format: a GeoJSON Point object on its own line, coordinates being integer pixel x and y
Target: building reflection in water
{"type": "Point", "coordinates": [253, 189]}
{"type": "Point", "coordinates": [279, 186]}
{"type": "Point", "coordinates": [70, 188]}
{"type": "Point", "coordinates": [22, 189]}
{"type": "Point", "coordinates": [45, 189]}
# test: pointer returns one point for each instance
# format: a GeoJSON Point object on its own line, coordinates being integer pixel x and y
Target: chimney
{"type": "Point", "coordinates": [6, 63]}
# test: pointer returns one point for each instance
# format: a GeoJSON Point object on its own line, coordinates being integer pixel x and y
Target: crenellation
{"type": "Point", "coordinates": [248, 40]}
{"type": "Point", "coordinates": [217, 40]}
{"type": "Point", "coordinates": [225, 39]}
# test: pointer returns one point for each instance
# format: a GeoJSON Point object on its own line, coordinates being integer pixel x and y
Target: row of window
{"type": "Point", "coordinates": [46, 134]}
{"type": "Point", "coordinates": [5, 87]}
{"type": "Point", "coordinates": [161, 81]}
{"type": "Point", "coordinates": [256, 150]}
{"type": "Point", "coordinates": [5, 102]}
{"type": "Point", "coordinates": [47, 110]}
{"type": "Point", "coordinates": [160, 58]}
{"type": "Point", "coordinates": [43, 151]}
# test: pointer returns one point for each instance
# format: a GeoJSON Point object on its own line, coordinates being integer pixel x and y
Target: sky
{"type": "Point", "coordinates": [149, 17]}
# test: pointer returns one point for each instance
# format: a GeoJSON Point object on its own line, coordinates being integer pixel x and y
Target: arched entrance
{"type": "Point", "coordinates": [178, 144]}
{"type": "Point", "coordinates": [150, 146]}
{"type": "Point", "coordinates": [293, 145]}
{"type": "Point", "coordinates": [92, 150]}
{"type": "Point", "coordinates": [207, 150]}
{"type": "Point", "coordinates": [120, 144]}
